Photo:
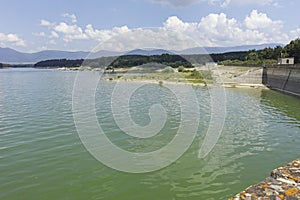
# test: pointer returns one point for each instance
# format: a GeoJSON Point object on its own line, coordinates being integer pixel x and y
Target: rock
{"type": "Point", "coordinates": [284, 183]}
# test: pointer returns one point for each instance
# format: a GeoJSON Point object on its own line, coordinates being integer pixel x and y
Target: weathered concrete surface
{"type": "Point", "coordinates": [283, 78]}
{"type": "Point", "coordinates": [284, 183]}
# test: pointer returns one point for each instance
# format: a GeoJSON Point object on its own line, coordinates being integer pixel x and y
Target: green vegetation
{"type": "Point", "coordinates": [293, 50]}
{"type": "Point", "coordinates": [59, 63]}
{"type": "Point", "coordinates": [264, 57]}
{"type": "Point", "coordinates": [168, 70]}
{"type": "Point", "coordinates": [194, 77]}
{"type": "Point", "coordinates": [137, 60]}
{"type": "Point", "coordinates": [168, 74]}
{"type": "Point", "coordinates": [267, 56]}
{"type": "Point", "coordinates": [180, 69]}
{"type": "Point", "coordinates": [199, 76]}
{"type": "Point", "coordinates": [240, 56]}
{"type": "Point", "coordinates": [158, 76]}
{"type": "Point", "coordinates": [207, 74]}
{"type": "Point", "coordinates": [15, 65]}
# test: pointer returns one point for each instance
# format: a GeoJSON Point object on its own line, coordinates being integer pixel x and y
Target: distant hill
{"type": "Point", "coordinates": [148, 52]}
{"type": "Point", "coordinates": [8, 55]}
{"type": "Point", "coordinates": [213, 50]}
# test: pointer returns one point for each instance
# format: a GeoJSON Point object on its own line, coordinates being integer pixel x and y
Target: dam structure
{"type": "Point", "coordinates": [284, 78]}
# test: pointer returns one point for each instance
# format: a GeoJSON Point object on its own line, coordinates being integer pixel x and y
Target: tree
{"type": "Point", "coordinates": [252, 55]}
{"type": "Point", "coordinates": [266, 53]}
{"type": "Point", "coordinates": [277, 52]}
{"type": "Point", "coordinates": [293, 49]}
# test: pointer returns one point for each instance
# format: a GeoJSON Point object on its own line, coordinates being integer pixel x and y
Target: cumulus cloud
{"type": "Point", "coordinates": [70, 32]}
{"type": "Point", "coordinates": [258, 20]}
{"type": "Point", "coordinates": [103, 35]}
{"type": "Point", "coordinates": [175, 23]}
{"type": "Point", "coordinates": [220, 28]}
{"type": "Point", "coordinates": [45, 23]}
{"type": "Point", "coordinates": [7, 39]}
{"type": "Point", "coordinates": [72, 17]}
{"type": "Point", "coordinates": [212, 30]}
{"type": "Point", "coordinates": [148, 38]}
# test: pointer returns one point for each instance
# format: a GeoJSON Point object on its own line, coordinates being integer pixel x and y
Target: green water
{"type": "Point", "coordinates": [42, 157]}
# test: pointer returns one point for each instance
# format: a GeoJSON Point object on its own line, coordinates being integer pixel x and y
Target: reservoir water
{"type": "Point", "coordinates": [42, 156]}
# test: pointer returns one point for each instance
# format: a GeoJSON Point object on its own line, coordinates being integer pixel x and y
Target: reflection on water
{"type": "Point", "coordinates": [41, 156]}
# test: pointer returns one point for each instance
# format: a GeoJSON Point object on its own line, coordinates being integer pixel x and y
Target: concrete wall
{"type": "Point", "coordinates": [283, 78]}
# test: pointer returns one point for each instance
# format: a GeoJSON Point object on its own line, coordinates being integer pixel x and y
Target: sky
{"type": "Point", "coordinates": [121, 25]}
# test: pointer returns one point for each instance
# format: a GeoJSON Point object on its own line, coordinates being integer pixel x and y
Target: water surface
{"type": "Point", "coordinates": [42, 157]}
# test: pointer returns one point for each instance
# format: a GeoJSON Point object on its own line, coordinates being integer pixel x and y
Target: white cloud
{"type": "Point", "coordinates": [211, 30]}
{"type": "Point", "coordinates": [54, 34]}
{"type": "Point", "coordinates": [103, 35]}
{"type": "Point", "coordinates": [68, 29]}
{"type": "Point", "coordinates": [52, 42]}
{"type": "Point", "coordinates": [256, 29]}
{"type": "Point", "coordinates": [72, 17]}
{"type": "Point", "coordinates": [70, 32]}
{"type": "Point", "coordinates": [148, 38]}
{"type": "Point", "coordinates": [45, 23]}
{"type": "Point", "coordinates": [225, 3]}
{"type": "Point", "coordinates": [7, 39]}
{"type": "Point", "coordinates": [258, 20]}
{"type": "Point", "coordinates": [219, 27]}
{"type": "Point", "coordinates": [175, 23]}
{"type": "Point", "coordinates": [40, 34]}
{"type": "Point", "coordinates": [295, 33]}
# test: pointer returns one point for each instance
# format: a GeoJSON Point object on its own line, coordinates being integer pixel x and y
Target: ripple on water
{"type": "Point", "coordinates": [41, 156]}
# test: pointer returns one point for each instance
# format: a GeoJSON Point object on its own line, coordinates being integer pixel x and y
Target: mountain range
{"type": "Point", "coordinates": [8, 55]}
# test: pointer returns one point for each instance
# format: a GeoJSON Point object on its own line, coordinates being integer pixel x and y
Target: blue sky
{"type": "Point", "coordinates": [118, 25]}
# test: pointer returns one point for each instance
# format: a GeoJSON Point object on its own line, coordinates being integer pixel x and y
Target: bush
{"type": "Point", "coordinates": [180, 69]}
{"type": "Point", "coordinates": [207, 74]}
{"type": "Point", "coordinates": [168, 70]}
{"type": "Point", "coordinates": [196, 74]}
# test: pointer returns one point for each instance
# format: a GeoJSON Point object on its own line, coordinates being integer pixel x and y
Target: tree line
{"type": "Point", "coordinates": [267, 56]}
{"type": "Point", "coordinates": [56, 63]}
{"type": "Point", "coordinates": [137, 60]}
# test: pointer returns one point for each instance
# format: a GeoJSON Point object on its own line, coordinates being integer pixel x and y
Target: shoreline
{"type": "Point", "coordinates": [283, 183]}
{"type": "Point", "coordinates": [208, 84]}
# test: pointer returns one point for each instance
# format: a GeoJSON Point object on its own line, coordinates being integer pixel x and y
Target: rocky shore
{"type": "Point", "coordinates": [283, 183]}
{"type": "Point", "coordinates": [227, 76]}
